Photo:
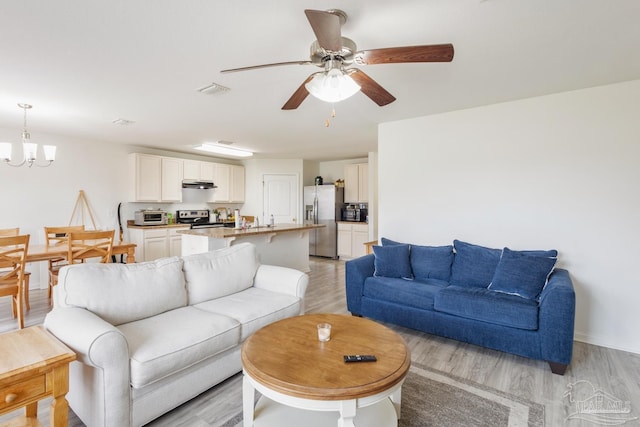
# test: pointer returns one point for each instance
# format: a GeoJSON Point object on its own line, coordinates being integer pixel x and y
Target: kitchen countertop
{"type": "Point", "coordinates": [222, 232]}
{"type": "Point", "coordinates": [130, 224]}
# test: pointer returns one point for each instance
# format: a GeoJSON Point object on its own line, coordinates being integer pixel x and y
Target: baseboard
{"type": "Point", "coordinates": [604, 342]}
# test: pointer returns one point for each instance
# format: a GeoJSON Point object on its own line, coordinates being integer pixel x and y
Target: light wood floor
{"type": "Point", "coordinates": [614, 372]}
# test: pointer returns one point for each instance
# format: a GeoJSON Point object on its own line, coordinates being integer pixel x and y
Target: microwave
{"type": "Point", "coordinates": [354, 214]}
{"type": "Point", "coordinates": [151, 217]}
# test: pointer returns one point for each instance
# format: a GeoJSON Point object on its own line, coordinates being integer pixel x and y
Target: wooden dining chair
{"type": "Point", "coordinates": [58, 236]}
{"type": "Point", "coordinates": [8, 232]}
{"type": "Point", "coordinates": [13, 256]}
{"type": "Point", "coordinates": [90, 244]}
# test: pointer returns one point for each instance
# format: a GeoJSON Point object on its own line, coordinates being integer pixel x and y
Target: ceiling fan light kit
{"type": "Point", "coordinates": [333, 85]}
{"type": "Point", "coordinates": [29, 148]}
{"type": "Point", "coordinates": [334, 52]}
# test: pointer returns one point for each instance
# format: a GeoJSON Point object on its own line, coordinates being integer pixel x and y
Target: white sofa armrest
{"type": "Point", "coordinates": [101, 345]}
{"type": "Point", "coordinates": [281, 279]}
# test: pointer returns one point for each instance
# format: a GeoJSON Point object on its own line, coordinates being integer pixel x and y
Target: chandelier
{"type": "Point", "coordinates": [28, 148]}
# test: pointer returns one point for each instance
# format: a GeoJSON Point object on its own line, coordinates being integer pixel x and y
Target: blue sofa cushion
{"type": "Point", "coordinates": [523, 273]}
{"type": "Point", "coordinates": [403, 292]}
{"type": "Point", "coordinates": [427, 262]}
{"type": "Point", "coordinates": [431, 262]}
{"type": "Point", "coordinates": [388, 242]}
{"type": "Point", "coordinates": [473, 265]}
{"type": "Point", "coordinates": [392, 261]}
{"type": "Point", "coordinates": [488, 306]}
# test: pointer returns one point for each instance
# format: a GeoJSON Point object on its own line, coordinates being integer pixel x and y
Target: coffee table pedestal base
{"type": "Point", "coordinates": [275, 409]}
{"type": "Point", "coordinates": [272, 414]}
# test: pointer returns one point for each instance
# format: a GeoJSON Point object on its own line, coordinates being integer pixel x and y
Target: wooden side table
{"type": "Point", "coordinates": [34, 365]}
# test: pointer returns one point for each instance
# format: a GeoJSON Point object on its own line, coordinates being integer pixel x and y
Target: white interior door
{"type": "Point", "coordinates": [280, 198]}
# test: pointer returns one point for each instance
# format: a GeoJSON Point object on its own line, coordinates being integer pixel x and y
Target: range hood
{"type": "Point", "coordinates": [197, 184]}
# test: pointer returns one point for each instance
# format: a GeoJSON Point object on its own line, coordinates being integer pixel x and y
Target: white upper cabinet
{"type": "Point", "coordinates": [202, 171]}
{"type": "Point", "coordinates": [171, 188]}
{"type": "Point", "coordinates": [229, 180]}
{"type": "Point", "coordinates": [237, 184]}
{"type": "Point", "coordinates": [191, 169]}
{"type": "Point", "coordinates": [145, 175]}
{"type": "Point", "coordinates": [154, 178]}
{"type": "Point", "coordinates": [159, 179]}
{"type": "Point", "coordinates": [222, 180]}
{"type": "Point", "coordinates": [356, 183]}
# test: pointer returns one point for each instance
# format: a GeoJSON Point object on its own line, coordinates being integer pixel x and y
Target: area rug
{"type": "Point", "coordinates": [434, 398]}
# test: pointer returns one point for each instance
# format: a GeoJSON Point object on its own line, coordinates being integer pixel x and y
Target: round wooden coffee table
{"type": "Point", "coordinates": [306, 382]}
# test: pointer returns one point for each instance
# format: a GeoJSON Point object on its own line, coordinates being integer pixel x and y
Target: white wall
{"type": "Point", "coordinates": [33, 198]}
{"type": "Point", "coordinates": [559, 171]}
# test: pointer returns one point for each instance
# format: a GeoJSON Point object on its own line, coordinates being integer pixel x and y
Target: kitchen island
{"type": "Point", "coordinates": [286, 245]}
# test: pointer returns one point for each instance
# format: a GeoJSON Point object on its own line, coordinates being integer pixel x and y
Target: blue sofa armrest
{"type": "Point", "coordinates": [356, 271]}
{"type": "Point", "coordinates": [556, 318]}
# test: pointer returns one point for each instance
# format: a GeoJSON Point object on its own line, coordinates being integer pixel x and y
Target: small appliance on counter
{"type": "Point", "coordinates": [355, 213]}
{"type": "Point", "coordinates": [151, 217]}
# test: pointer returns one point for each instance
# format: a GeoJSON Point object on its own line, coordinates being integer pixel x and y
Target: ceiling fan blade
{"type": "Point", "coordinates": [371, 88]}
{"type": "Point", "coordinates": [298, 96]}
{"type": "Point", "coordinates": [326, 27]}
{"type": "Point", "coordinates": [394, 55]}
{"type": "Point", "coordinates": [275, 64]}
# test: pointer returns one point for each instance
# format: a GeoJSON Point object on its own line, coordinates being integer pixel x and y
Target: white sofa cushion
{"type": "Point", "coordinates": [175, 340]}
{"type": "Point", "coordinates": [254, 308]}
{"type": "Point", "coordinates": [122, 293]}
{"type": "Point", "coordinates": [221, 272]}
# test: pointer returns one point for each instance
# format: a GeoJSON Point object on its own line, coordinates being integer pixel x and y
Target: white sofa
{"type": "Point", "coordinates": [151, 336]}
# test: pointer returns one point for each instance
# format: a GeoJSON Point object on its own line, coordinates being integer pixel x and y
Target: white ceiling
{"type": "Point", "coordinates": [84, 63]}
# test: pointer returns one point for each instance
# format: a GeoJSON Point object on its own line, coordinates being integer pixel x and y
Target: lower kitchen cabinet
{"type": "Point", "coordinates": [351, 239]}
{"type": "Point", "coordinates": [158, 242]}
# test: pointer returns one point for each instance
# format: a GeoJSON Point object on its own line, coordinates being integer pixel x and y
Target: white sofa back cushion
{"type": "Point", "coordinates": [219, 273]}
{"type": "Point", "coordinates": [122, 293]}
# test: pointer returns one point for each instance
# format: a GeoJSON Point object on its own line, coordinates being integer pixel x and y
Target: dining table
{"type": "Point", "coordinates": [44, 252]}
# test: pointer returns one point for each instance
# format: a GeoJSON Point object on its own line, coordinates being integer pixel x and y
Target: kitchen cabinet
{"type": "Point", "coordinates": [158, 242]}
{"type": "Point", "coordinates": [356, 183]}
{"type": "Point", "coordinates": [154, 178]}
{"type": "Point", "coordinates": [145, 174]}
{"type": "Point", "coordinates": [175, 241]}
{"type": "Point", "coordinates": [171, 187]}
{"type": "Point", "coordinates": [230, 182]}
{"type": "Point", "coordinates": [237, 184]}
{"type": "Point", "coordinates": [201, 171]}
{"type": "Point", "coordinates": [352, 239]}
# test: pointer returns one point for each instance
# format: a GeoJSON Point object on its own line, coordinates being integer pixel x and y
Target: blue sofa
{"type": "Point", "coordinates": [513, 301]}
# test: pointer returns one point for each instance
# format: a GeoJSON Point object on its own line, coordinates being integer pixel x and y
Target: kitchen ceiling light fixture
{"type": "Point", "coordinates": [223, 149]}
{"type": "Point", "coordinates": [29, 148]}
{"type": "Point", "coordinates": [333, 84]}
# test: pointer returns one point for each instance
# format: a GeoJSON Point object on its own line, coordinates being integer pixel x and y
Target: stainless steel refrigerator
{"type": "Point", "coordinates": [322, 205]}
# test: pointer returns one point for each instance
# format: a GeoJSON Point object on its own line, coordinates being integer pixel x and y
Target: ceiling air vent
{"type": "Point", "coordinates": [213, 89]}
{"type": "Point", "coordinates": [122, 122]}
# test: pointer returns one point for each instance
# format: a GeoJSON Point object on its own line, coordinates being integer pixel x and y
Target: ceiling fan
{"type": "Point", "coordinates": [335, 53]}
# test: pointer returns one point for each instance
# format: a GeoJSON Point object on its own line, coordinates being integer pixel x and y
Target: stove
{"type": "Point", "coordinates": [197, 219]}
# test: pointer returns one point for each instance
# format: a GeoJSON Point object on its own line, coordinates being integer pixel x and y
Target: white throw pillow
{"type": "Point", "coordinates": [219, 273]}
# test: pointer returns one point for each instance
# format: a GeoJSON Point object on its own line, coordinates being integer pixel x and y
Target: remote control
{"type": "Point", "coordinates": [359, 358]}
